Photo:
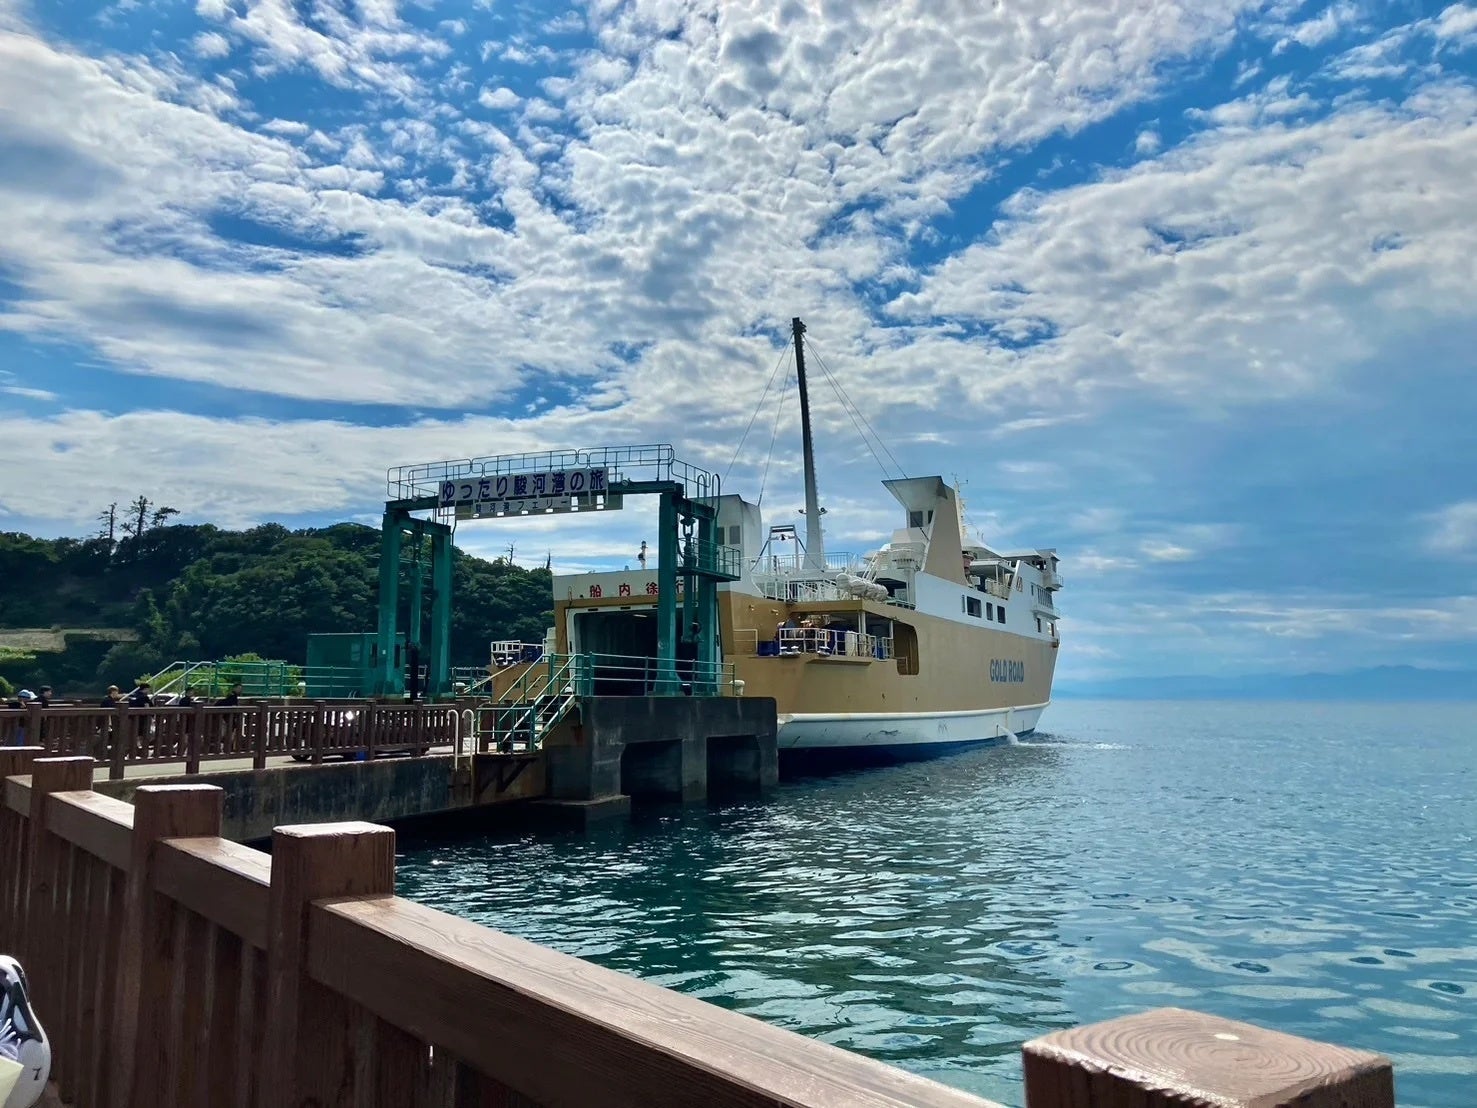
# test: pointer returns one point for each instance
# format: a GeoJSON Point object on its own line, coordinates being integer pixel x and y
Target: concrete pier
{"type": "Point", "coordinates": [609, 752]}
{"type": "Point", "coordinates": [386, 790]}
{"type": "Point", "coordinates": [680, 749]}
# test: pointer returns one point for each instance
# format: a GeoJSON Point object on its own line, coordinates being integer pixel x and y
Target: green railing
{"type": "Point", "coordinates": [260, 679]}
{"type": "Point", "coordinates": [632, 675]}
{"type": "Point", "coordinates": [713, 559]}
{"type": "Point", "coordinates": [538, 700]}
{"type": "Point", "coordinates": [543, 694]}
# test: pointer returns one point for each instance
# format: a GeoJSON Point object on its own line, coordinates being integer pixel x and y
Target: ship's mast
{"type": "Point", "coordinates": [815, 549]}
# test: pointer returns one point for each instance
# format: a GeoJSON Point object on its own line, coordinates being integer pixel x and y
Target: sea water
{"type": "Point", "coordinates": [1308, 867]}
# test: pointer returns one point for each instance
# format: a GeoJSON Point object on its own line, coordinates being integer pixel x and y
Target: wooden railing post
{"type": "Point", "coordinates": [15, 849]}
{"type": "Point", "coordinates": [45, 924]}
{"type": "Point", "coordinates": [260, 739]}
{"type": "Point", "coordinates": [196, 736]}
{"type": "Point", "coordinates": [371, 721]}
{"type": "Point", "coordinates": [315, 732]}
{"type": "Point", "coordinates": [118, 756]}
{"type": "Point", "coordinates": [33, 725]}
{"type": "Point", "coordinates": [306, 1053]}
{"type": "Point", "coordinates": [1171, 1058]}
{"type": "Point", "coordinates": [144, 1062]}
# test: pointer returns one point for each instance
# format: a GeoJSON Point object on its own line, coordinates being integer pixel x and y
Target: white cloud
{"type": "Point", "coordinates": [1453, 530]}
{"type": "Point", "coordinates": [1167, 552]}
{"type": "Point", "coordinates": [211, 44]}
{"type": "Point", "coordinates": [27, 393]}
{"type": "Point", "coordinates": [1239, 265]}
{"type": "Point", "coordinates": [286, 127]}
{"type": "Point", "coordinates": [681, 188]}
{"type": "Point", "coordinates": [498, 98]}
{"type": "Point", "coordinates": [703, 172]}
{"type": "Point", "coordinates": [1458, 24]}
{"type": "Point", "coordinates": [1332, 21]}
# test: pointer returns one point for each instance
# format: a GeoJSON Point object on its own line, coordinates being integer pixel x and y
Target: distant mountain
{"type": "Point", "coordinates": [1378, 683]}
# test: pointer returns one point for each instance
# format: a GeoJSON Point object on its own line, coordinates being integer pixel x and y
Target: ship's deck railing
{"type": "Point", "coordinates": [812, 592]}
{"type": "Point", "coordinates": [796, 590]}
{"type": "Point", "coordinates": [798, 564]}
{"type": "Point", "coordinates": [826, 641]}
{"type": "Point", "coordinates": [995, 587]}
{"type": "Point", "coordinates": [510, 652]}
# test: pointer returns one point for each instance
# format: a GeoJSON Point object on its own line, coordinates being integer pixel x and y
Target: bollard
{"type": "Point", "coordinates": [1171, 1058]}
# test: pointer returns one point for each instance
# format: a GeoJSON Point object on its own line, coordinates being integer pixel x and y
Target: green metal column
{"type": "Point", "coordinates": [438, 673]}
{"type": "Point", "coordinates": [414, 633]}
{"type": "Point", "coordinates": [666, 596]}
{"type": "Point", "coordinates": [689, 588]}
{"type": "Point", "coordinates": [389, 680]}
{"type": "Point", "coordinates": [707, 590]}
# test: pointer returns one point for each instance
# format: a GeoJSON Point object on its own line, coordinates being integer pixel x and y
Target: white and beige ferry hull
{"type": "Point", "coordinates": [971, 685]}
{"type": "Point", "coordinates": [903, 733]}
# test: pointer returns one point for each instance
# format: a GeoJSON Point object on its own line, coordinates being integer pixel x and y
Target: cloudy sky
{"type": "Point", "coordinates": [1184, 288]}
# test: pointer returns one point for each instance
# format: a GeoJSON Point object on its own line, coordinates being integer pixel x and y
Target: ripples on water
{"type": "Point", "coordinates": [1308, 867]}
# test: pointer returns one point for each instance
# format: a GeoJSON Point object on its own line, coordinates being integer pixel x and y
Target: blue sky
{"type": "Point", "coordinates": [1183, 288]}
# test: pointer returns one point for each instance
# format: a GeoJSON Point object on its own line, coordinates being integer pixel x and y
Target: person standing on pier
{"type": "Point", "coordinates": [232, 698]}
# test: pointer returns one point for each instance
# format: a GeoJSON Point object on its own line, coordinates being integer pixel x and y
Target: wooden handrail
{"type": "Point", "coordinates": [196, 734]}
{"type": "Point", "coordinates": [227, 976]}
{"type": "Point", "coordinates": [464, 987]}
{"type": "Point", "coordinates": [220, 881]}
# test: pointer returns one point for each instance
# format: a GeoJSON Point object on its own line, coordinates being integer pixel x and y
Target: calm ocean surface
{"type": "Point", "coordinates": [1309, 867]}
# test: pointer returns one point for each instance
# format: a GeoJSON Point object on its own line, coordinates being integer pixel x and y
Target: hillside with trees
{"type": "Point", "coordinates": [198, 592]}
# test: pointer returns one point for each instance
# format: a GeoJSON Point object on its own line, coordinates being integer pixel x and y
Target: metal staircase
{"type": "Point", "coordinates": [531, 706]}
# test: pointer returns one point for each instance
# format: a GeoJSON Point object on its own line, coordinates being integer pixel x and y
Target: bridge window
{"type": "Point", "coordinates": [972, 606]}
{"type": "Point", "coordinates": [1000, 614]}
{"type": "Point", "coordinates": [915, 519]}
{"type": "Point", "coordinates": [735, 534]}
{"type": "Point", "coordinates": [990, 612]}
{"type": "Point", "coordinates": [1038, 625]}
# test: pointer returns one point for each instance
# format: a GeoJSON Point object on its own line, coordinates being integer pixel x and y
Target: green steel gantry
{"type": "Point", "coordinates": [688, 500]}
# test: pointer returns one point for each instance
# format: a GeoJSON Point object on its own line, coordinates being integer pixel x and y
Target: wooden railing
{"type": "Point", "coordinates": [172, 967]}
{"type": "Point", "coordinates": [123, 736]}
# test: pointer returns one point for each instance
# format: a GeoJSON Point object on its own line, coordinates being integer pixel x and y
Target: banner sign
{"type": "Point", "coordinates": [562, 490]}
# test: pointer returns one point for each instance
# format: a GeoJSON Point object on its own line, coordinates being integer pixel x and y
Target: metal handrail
{"type": "Point", "coordinates": [827, 642]}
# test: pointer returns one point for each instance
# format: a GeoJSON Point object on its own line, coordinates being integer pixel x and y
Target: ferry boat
{"type": "Point", "coordinates": [930, 643]}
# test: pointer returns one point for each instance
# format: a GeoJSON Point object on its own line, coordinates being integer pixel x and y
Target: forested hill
{"type": "Point", "coordinates": [198, 592]}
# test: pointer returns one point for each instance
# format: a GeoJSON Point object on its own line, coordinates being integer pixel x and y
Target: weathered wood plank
{"type": "Point", "coordinates": [249, 1035]}
{"type": "Point", "coordinates": [15, 841]}
{"type": "Point", "coordinates": [1171, 1058]}
{"type": "Point", "coordinates": [79, 943]}
{"type": "Point", "coordinates": [100, 825]}
{"type": "Point", "coordinates": [144, 1061]}
{"type": "Point", "coordinates": [218, 1012]}
{"type": "Point", "coordinates": [402, 1068]}
{"type": "Point", "coordinates": [497, 1002]}
{"type": "Point", "coordinates": [93, 1005]}
{"type": "Point", "coordinates": [40, 949]}
{"type": "Point", "coordinates": [301, 1059]}
{"type": "Point", "coordinates": [224, 882]}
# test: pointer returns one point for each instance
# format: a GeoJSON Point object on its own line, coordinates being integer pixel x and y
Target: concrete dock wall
{"type": "Point", "coordinates": [663, 748]}
{"type": "Point", "coordinates": [383, 791]}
